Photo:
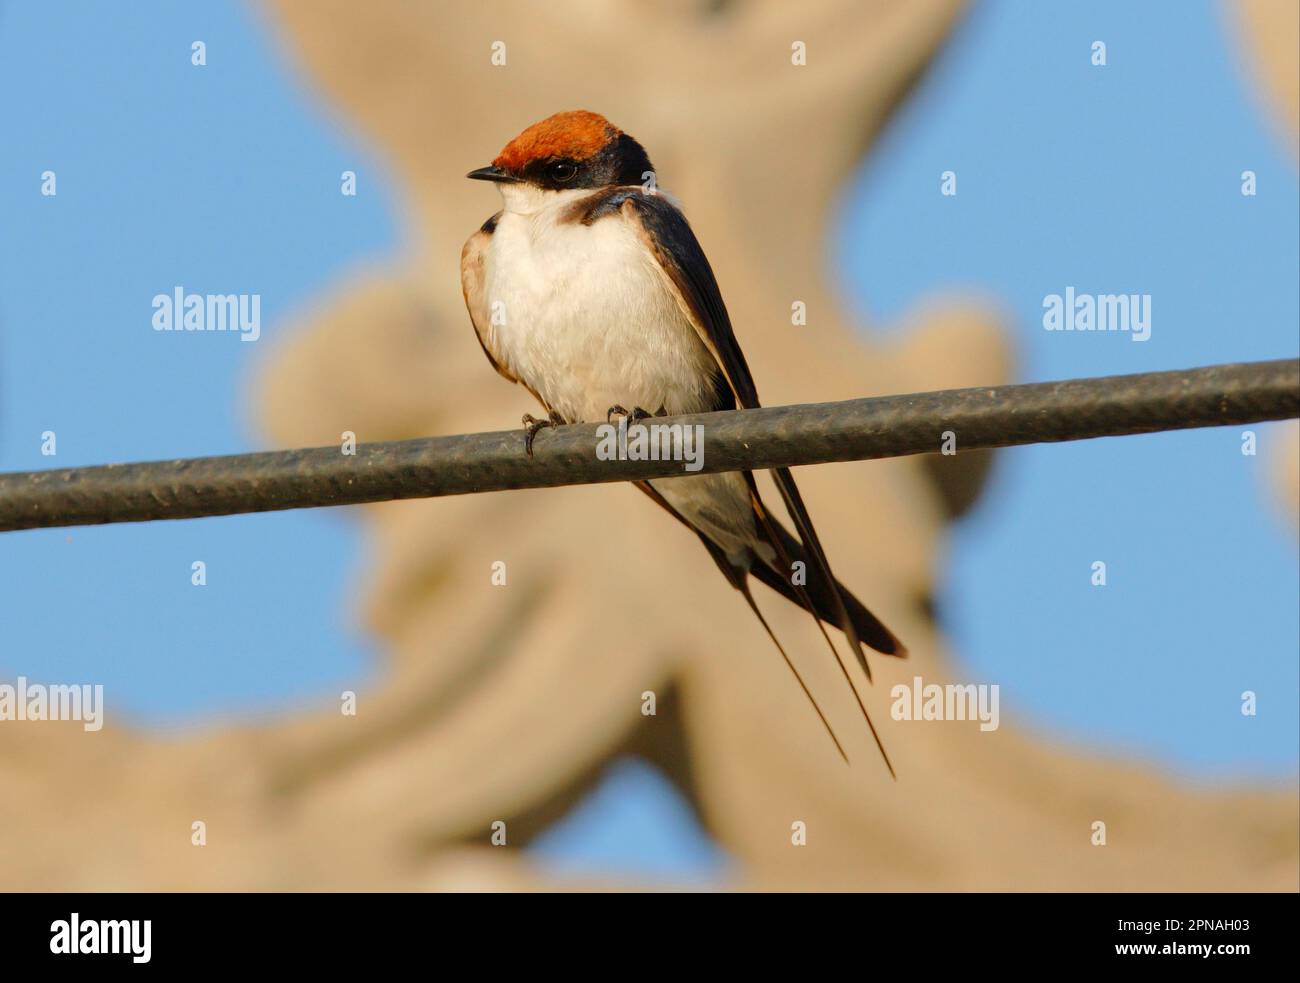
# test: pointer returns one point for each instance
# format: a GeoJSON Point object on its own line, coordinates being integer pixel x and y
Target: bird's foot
{"type": "Point", "coordinates": [635, 415]}
{"type": "Point", "coordinates": [532, 425]}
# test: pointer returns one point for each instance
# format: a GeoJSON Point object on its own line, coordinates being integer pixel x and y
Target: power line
{"type": "Point", "coordinates": [815, 433]}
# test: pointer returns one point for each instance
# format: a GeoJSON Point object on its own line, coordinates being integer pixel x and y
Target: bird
{"type": "Point", "coordinates": [589, 289]}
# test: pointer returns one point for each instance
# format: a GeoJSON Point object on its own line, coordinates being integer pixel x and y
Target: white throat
{"type": "Point", "coordinates": [528, 199]}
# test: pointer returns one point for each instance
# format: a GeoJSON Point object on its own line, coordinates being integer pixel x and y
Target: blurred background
{"type": "Point", "coordinates": [522, 703]}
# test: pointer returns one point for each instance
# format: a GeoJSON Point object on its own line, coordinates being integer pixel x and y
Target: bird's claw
{"type": "Point", "coordinates": [532, 425]}
{"type": "Point", "coordinates": [635, 415]}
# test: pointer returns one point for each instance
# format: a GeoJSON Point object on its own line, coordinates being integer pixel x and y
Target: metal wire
{"type": "Point", "coordinates": [818, 433]}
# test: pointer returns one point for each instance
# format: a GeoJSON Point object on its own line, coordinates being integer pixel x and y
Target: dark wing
{"type": "Point", "coordinates": [669, 236]}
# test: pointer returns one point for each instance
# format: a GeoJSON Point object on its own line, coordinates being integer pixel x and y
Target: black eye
{"type": "Point", "coordinates": [563, 171]}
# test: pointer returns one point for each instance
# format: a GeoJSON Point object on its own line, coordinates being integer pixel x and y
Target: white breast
{"type": "Point", "coordinates": [583, 315]}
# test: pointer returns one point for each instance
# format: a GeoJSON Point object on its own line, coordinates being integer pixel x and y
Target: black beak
{"type": "Point", "coordinates": [492, 173]}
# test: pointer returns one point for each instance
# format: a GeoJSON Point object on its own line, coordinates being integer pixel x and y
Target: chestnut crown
{"type": "Point", "coordinates": [577, 149]}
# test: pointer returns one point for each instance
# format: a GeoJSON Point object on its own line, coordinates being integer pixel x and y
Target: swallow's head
{"type": "Point", "coordinates": [564, 152]}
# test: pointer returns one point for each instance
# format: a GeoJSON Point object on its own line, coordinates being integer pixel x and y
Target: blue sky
{"type": "Point", "coordinates": [1115, 179]}
{"type": "Point", "coordinates": [221, 179]}
{"type": "Point", "coordinates": [225, 179]}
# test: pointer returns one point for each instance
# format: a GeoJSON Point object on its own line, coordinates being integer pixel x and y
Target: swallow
{"type": "Point", "coordinates": [590, 289]}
